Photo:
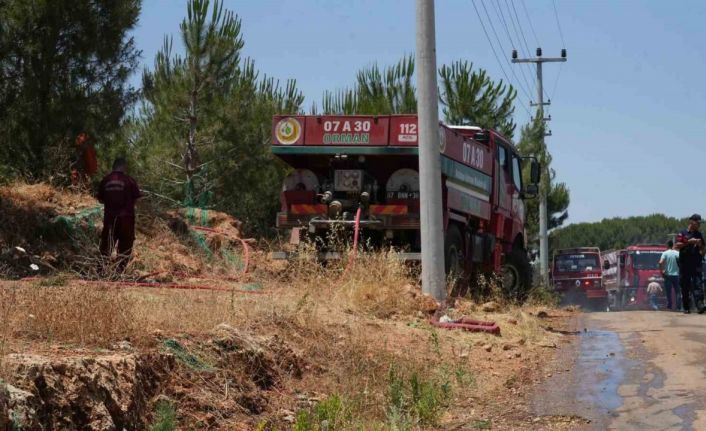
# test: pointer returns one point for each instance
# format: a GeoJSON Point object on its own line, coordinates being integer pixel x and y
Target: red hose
{"type": "Point", "coordinates": [159, 285]}
{"type": "Point", "coordinates": [468, 324]}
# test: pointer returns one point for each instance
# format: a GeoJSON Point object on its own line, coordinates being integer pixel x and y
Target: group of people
{"type": "Point", "coordinates": [118, 192]}
{"type": "Point", "coordinates": [681, 266]}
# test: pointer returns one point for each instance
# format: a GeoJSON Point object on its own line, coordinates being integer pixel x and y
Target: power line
{"type": "Point", "coordinates": [522, 32]}
{"type": "Point", "coordinates": [501, 15]}
{"type": "Point", "coordinates": [556, 81]}
{"type": "Point", "coordinates": [487, 36]}
{"type": "Point", "coordinates": [536, 39]}
{"type": "Point", "coordinates": [520, 35]}
{"type": "Point", "coordinates": [561, 33]}
{"type": "Point", "coordinates": [490, 21]}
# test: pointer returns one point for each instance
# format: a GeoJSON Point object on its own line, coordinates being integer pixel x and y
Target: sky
{"type": "Point", "coordinates": [628, 108]}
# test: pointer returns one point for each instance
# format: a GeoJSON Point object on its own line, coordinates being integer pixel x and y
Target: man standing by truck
{"type": "Point", "coordinates": [690, 244]}
{"type": "Point", "coordinates": [669, 265]}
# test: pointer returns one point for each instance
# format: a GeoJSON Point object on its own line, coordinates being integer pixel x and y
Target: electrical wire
{"type": "Point", "coordinates": [519, 25]}
{"type": "Point", "coordinates": [558, 24]}
{"type": "Point", "coordinates": [501, 48]}
{"type": "Point", "coordinates": [536, 39]}
{"type": "Point", "coordinates": [519, 34]}
{"type": "Point", "coordinates": [487, 36]}
{"type": "Point", "coordinates": [556, 81]}
{"type": "Point", "coordinates": [501, 15]}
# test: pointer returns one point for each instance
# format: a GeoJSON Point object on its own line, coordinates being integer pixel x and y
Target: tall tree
{"type": "Point", "coordinates": [532, 144]}
{"type": "Point", "coordinates": [207, 119]}
{"type": "Point", "coordinates": [64, 67]}
{"type": "Point", "coordinates": [472, 98]}
{"type": "Point", "coordinates": [192, 88]}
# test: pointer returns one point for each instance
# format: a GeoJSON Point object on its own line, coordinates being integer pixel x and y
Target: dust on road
{"type": "Point", "coordinates": [640, 370]}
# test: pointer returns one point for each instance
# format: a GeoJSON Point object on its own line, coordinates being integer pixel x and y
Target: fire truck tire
{"type": "Point", "coordinates": [516, 275]}
{"type": "Point", "coordinates": [453, 251]}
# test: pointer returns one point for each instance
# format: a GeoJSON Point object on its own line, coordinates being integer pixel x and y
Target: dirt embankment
{"type": "Point", "coordinates": [49, 230]}
{"type": "Point", "coordinates": [119, 389]}
{"type": "Point", "coordinates": [293, 345]}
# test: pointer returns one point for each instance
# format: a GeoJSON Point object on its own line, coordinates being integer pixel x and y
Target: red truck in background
{"type": "Point", "coordinates": [577, 274]}
{"type": "Point", "coordinates": [628, 272]}
{"type": "Point", "coordinates": [343, 163]}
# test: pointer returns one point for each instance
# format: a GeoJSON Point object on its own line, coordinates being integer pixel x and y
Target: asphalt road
{"type": "Point", "coordinates": [639, 370]}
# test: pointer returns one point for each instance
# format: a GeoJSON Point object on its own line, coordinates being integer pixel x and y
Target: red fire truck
{"type": "Point", "coordinates": [627, 274]}
{"type": "Point", "coordinates": [577, 275]}
{"type": "Point", "coordinates": [344, 163]}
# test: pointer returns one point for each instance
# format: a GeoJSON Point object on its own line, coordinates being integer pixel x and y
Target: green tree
{"type": "Point", "coordinates": [472, 98]}
{"type": "Point", "coordinates": [388, 91]}
{"type": "Point", "coordinates": [207, 118]}
{"type": "Point", "coordinates": [468, 97]}
{"type": "Point", "coordinates": [64, 67]}
{"type": "Point", "coordinates": [186, 92]}
{"type": "Point", "coordinates": [531, 144]}
{"type": "Point", "coordinates": [616, 233]}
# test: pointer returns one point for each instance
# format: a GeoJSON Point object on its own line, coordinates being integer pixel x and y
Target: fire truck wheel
{"type": "Point", "coordinates": [453, 251]}
{"type": "Point", "coordinates": [516, 275]}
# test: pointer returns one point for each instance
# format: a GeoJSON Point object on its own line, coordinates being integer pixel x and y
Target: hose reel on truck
{"type": "Point", "coordinates": [403, 184]}
{"type": "Point", "coordinates": [301, 180]}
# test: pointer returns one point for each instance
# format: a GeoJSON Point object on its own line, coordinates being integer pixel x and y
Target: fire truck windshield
{"type": "Point", "coordinates": [576, 263]}
{"type": "Point", "coordinates": [646, 259]}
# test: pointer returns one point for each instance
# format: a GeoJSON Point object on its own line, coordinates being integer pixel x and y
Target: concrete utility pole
{"type": "Point", "coordinates": [432, 228]}
{"type": "Point", "coordinates": [543, 237]}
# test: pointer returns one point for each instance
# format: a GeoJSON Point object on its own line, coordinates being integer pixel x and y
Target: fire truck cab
{"type": "Point", "coordinates": [628, 272]}
{"type": "Point", "coordinates": [577, 276]}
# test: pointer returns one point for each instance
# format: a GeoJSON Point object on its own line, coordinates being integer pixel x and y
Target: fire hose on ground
{"type": "Point", "coordinates": [467, 324]}
{"type": "Point", "coordinates": [161, 285]}
{"type": "Point", "coordinates": [464, 323]}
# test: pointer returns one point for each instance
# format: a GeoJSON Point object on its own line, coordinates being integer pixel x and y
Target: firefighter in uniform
{"type": "Point", "coordinates": [118, 192]}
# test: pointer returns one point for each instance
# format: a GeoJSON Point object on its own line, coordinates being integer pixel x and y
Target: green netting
{"type": "Point", "coordinates": [187, 358]}
{"type": "Point", "coordinates": [78, 226]}
{"type": "Point", "coordinates": [197, 214]}
{"type": "Point", "coordinates": [70, 222]}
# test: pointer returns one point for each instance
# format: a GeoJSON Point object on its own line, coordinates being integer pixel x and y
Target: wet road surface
{"type": "Point", "coordinates": [639, 370]}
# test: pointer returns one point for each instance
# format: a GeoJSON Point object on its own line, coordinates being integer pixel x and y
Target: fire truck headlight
{"type": "Point", "coordinates": [632, 299]}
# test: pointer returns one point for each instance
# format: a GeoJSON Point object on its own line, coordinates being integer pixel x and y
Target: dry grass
{"type": "Point", "coordinates": [75, 314]}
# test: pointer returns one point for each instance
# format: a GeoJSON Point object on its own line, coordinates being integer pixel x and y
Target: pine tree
{"type": "Point", "coordinates": [387, 91]}
{"type": "Point", "coordinates": [207, 119]}
{"type": "Point", "coordinates": [473, 99]}
{"type": "Point", "coordinates": [64, 68]}
{"type": "Point", "coordinates": [531, 144]}
{"type": "Point", "coordinates": [468, 97]}
{"type": "Point", "coordinates": [188, 90]}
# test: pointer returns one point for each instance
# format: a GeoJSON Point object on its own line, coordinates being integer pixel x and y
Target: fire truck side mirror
{"type": "Point", "coordinates": [534, 172]}
{"type": "Point", "coordinates": [531, 190]}
{"type": "Point", "coordinates": [606, 265]}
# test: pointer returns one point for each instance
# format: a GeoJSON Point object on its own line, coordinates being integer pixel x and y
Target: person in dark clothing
{"type": "Point", "coordinates": [690, 244]}
{"type": "Point", "coordinates": [118, 192]}
{"type": "Point", "coordinates": [85, 165]}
